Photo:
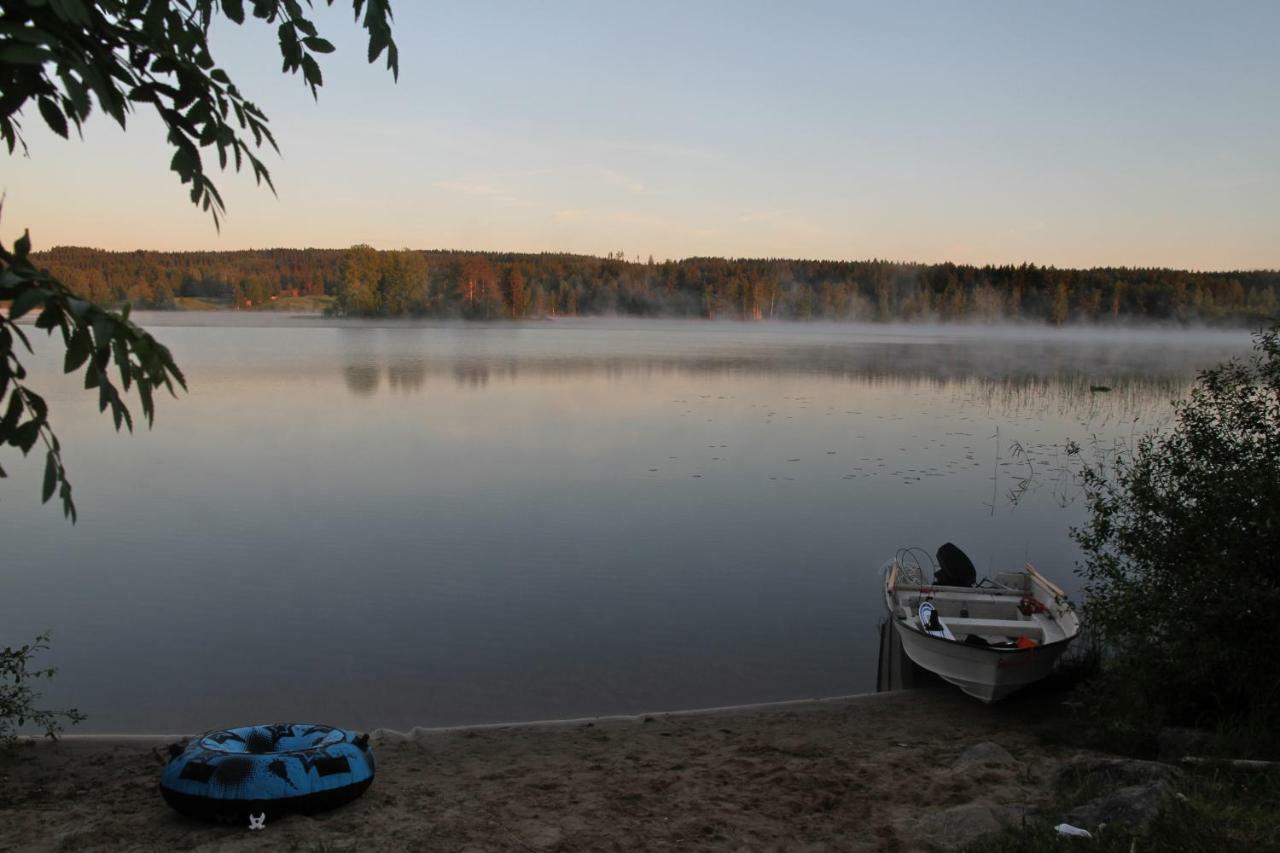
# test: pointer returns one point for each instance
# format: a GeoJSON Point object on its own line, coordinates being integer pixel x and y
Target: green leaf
{"type": "Point", "coordinates": [36, 404]}
{"type": "Point", "coordinates": [50, 318]}
{"type": "Point", "coordinates": [79, 307]}
{"type": "Point", "coordinates": [26, 300]}
{"type": "Point", "coordinates": [318, 44]}
{"type": "Point", "coordinates": [311, 72]}
{"type": "Point", "coordinates": [78, 349]}
{"type": "Point", "coordinates": [50, 477]}
{"type": "Point", "coordinates": [53, 116]}
{"type": "Point", "coordinates": [13, 412]}
{"type": "Point", "coordinates": [70, 10]}
{"type": "Point", "coordinates": [16, 53]}
{"type": "Point", "coordinates": [24, 437]}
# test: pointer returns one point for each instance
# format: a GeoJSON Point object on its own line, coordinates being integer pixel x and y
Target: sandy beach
{"type": "Point", "coordinates": [882, 772]}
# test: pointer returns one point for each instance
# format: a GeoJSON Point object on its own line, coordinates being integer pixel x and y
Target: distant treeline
{"type": "Point", "coordinates": [491, 285]}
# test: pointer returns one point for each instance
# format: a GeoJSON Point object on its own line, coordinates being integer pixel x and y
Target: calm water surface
{"type": "Point", "coordinates": [390, 525]}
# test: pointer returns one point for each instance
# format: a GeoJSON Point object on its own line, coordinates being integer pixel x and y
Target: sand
{"type": "Point", "coordinates": [869, 773]}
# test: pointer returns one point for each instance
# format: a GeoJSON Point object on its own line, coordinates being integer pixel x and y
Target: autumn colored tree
{"type": "Point", "coordinates": [782, 289]}
{"type": "Point", "coordinates": [518, 297]}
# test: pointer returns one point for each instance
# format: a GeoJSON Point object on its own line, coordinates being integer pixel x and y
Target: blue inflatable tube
{"type": "Point", "coordinates": [227, 775]}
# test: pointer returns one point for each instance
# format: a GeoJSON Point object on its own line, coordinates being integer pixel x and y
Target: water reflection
{"type": "Point", "coordinates": [407, 375]}
{"type": "Point", "coordinates": [432, 524]}
{"type": "Point", "coordinates": [1101, 382]}
{"type": "Point", "coordinates": [362, 379]}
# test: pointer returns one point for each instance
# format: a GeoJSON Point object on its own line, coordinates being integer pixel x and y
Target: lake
{"type": "Point", "coordinates": [396, 524]}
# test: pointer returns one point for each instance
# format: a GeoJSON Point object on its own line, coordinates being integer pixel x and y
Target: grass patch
{"type": "Point", "coordinates": [308, 304]}
{"type": "Point", "coordinates": [199, 303]}
{"type": "Point", "coordinates": [298, 304]}
{"type": "Point", "coordinates": [1221, 808]}
{"type": "Point", "coordinates": [1224, 811]}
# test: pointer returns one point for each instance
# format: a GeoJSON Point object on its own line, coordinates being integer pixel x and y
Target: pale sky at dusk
{"type": "Point", "coordinates": [1073, 134]}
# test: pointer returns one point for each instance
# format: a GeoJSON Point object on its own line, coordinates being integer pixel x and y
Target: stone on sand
{"type": "Point", "coordinates": [964, 824]}
{"type": "Point", "coordinates": [985, 754]}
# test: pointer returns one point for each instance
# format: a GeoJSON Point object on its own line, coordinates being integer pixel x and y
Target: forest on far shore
{"type": "Point", "coordinates": [361, 281]}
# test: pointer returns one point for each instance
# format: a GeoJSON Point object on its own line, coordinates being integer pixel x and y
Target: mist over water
{"type": "Point", "coordinates": [393, 524]}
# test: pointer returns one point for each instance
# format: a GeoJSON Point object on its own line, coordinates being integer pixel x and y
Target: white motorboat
{"type": "Point", "coordinates": [988, 639]}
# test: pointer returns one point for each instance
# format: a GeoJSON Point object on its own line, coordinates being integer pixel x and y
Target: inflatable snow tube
{"type": "Point", "coordinates": [230, 774]}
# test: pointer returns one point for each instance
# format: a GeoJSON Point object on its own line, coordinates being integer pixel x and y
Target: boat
{"type": "Point", "coordinates": [989, 638]}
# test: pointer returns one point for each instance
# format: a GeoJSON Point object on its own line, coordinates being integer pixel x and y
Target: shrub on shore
{"type": "Point", "coordinates": [1182, 559]}
{"type": "Point", "coordinates": [17, 696]}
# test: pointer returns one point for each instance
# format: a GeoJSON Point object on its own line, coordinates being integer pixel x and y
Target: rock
{"type": "Point", "coordinates": [985, 754]}
{"type": "Point", "coordinates": [1092, 772]}
{"type": "Point", "coordinates": [1132, 808]}
{"type": "Point", "coordinates": [957, 826]}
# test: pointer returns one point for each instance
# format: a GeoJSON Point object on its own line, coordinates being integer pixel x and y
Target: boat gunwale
{"type": "Point", "coordinates": [901, 622]}
{"type": "Point", "coordinates": [892, 590]}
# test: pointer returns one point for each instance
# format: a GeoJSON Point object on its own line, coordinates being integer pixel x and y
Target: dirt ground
{"type": "Point", "coordinates": [870, 773]}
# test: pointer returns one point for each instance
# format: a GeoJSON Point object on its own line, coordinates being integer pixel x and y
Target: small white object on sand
{"type": "Point", "coordinates": [1073, 831]}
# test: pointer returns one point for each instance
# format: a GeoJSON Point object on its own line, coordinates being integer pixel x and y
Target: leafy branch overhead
{"type": "Point", "coordinates": [94, 338]}
{"type": "Point", "coordinates": [59, 57]}
{"type": "Point", "coordinates": [65, 54]}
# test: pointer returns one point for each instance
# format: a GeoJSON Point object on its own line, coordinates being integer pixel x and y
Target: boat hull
{"type": "Point", "coordinates": [988, 675]}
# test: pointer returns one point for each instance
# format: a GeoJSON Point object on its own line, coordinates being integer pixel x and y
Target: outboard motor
{"type": "Point", "coordinates": [954, 568]}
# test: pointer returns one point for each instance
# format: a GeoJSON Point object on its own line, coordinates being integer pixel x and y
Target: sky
{"type": "Point", "coordinates": [1072, 134]}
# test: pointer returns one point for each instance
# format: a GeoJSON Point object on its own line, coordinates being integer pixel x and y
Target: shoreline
{"type": "Point", "coordinates": [887, 771]}
{"type": "Point", "coordinates": [416, 731]}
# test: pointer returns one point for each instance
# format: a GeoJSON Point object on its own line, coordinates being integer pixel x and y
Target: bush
{"type": "Point", "coordinates": [17, 694]}
{"type": "Point", "coordinates": [1182, 556]}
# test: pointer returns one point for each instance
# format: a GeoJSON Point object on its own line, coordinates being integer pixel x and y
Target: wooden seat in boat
{"type": "Point", "coordinates": [994, 627]}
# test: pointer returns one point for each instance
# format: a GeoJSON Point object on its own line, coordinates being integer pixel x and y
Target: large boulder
{"type": "Point", "coordinates": [1132, 808]}
{"type": "Point", "coordinates": [957, 826]}
{"type": "Point", "coordinates": [962, 825]}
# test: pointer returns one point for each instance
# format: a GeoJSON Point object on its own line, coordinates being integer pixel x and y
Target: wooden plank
{"type": "Point", "coordinates": [998, 627]}
{"type": "Point", "coordinates": [960, 591]}
{"type": "Point", "coordinates": [1048, 584]}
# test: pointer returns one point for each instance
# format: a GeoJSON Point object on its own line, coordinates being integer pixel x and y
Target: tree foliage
{"type": "Point", "coordinates": [489, 285]}
{"type": "Point", "coordinates": [62, 56]}
{"type": "Point", "coordinates": [95, 340]}
{"type": "Point", "coordinates": [1182, 552]}
{"type": "Point", "coordinates": [65, 54]}
{"type": "Point", "coordinates": [381, 284]}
